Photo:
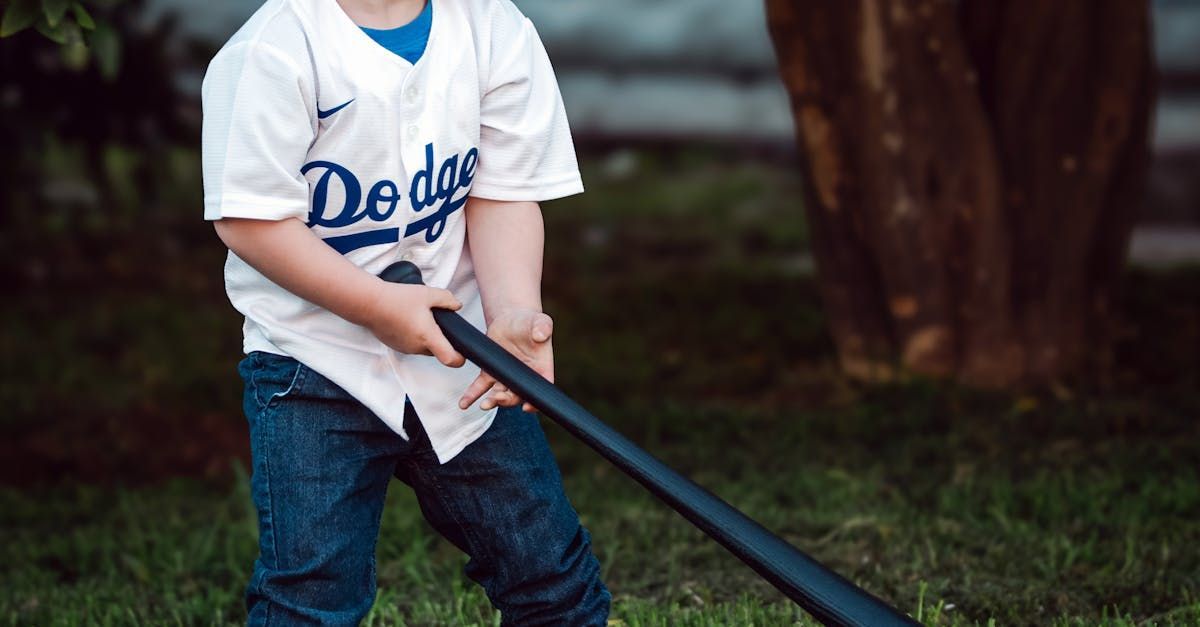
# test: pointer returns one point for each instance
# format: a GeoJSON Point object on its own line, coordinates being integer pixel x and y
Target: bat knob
{"type": "Point", "coordinates": [402, 272]}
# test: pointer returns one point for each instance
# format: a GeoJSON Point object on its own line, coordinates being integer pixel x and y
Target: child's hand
{"type": "Point", "coordinates": [526, 334]}
{"type": "Point", "coordinates": [400, 317]}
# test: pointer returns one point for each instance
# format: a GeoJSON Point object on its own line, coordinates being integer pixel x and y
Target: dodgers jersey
{"type": "Point", "coordinates": [307, 117]}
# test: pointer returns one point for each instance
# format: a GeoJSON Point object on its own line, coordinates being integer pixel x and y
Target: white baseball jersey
{"type": "Point", "coordinates": [306, 116]}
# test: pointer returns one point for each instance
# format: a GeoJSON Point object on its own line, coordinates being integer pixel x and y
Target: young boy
{"type": "Point", "coordinates": [339, 137]}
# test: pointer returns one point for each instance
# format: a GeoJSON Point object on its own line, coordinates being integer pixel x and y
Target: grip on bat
{"type": "Point", "coordinates": [402, 272]}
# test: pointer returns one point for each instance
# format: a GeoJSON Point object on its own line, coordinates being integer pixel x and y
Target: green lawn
{"type": "Point", "coordinates": [686, 318]}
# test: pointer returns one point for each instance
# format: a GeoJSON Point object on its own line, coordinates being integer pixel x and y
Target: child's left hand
{"type": "Point", "coordinates": [526, 334]}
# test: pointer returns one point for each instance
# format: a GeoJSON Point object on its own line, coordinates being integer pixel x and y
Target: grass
{"type": "Point", "coordinates": [685, 318]}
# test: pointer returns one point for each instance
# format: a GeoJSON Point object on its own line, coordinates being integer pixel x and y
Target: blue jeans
{"type": "Point", "coordinates": [322, 463]}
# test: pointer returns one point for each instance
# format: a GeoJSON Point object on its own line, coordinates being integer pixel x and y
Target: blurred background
{"type": "Point", "coordinates": [792, 313]}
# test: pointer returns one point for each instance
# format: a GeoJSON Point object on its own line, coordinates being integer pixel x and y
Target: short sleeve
{"type": "Point", "coordinates": [257, 130]}
{"type": "Point", "coordinates": [525, 146]}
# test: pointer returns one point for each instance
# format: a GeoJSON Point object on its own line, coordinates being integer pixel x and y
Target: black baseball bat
{"type": "Point", "coordinates": [829, 597]}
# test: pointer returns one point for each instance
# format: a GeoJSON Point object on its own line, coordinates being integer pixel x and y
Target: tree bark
{"type": "Point", "coordinates": [973, 173]}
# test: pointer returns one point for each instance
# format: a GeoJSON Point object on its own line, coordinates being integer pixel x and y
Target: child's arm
{"type": "Point", "coordinates": [288, 253]}
{"type": "Point", "coordinates": [506, 239]}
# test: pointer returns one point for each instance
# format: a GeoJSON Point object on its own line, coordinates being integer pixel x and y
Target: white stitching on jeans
{"type": "Point", "coordinates": [291, 386]}
{"type": "Point", "coordinates": [295, 377]}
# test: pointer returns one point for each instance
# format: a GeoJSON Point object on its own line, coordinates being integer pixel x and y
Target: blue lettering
{"type": "Point", "coordinates": [468, 168]}
{"type": "Point", "coordinates": [347, 216]}
{"type": "Point", "coordinates": [346, 243]}
{"type": "Point", "coordinates": [434, 223]}
{"type": "Point", "coordinates": [427, 192]}
{"type": "Point", "coordinates": [383, 191]}
{"type": "Point", "coordinates": [453, 175]}
{"type": "Point", "coordinates": [420, 201]}
{"type": "Point", "coordinates": [448, 178]}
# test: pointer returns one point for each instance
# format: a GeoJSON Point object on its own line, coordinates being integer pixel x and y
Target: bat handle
{"type": "Point", "coordinates": [402, 272]}
{"type": "Point", "coordinates": [826, 595]}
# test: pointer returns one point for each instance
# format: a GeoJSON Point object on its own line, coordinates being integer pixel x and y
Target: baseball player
{"type": "Point", "coordinates": [339, 137]}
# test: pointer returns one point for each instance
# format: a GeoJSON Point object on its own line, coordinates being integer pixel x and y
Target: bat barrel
{"type": "Point", "coordinates": [829, 597]}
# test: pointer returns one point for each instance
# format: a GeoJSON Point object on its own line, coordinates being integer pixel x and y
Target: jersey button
{"type": "Point", "coordinates": [411, 93]}
{"type": "Point", "coordinates": [412, 131]}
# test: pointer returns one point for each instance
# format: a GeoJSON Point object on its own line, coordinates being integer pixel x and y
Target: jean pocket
{"type": "Point", "coordinates": [270, 378]}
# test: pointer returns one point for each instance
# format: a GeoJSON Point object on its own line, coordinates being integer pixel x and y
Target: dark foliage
{"type": "Point", "coordinates": [87, 157]}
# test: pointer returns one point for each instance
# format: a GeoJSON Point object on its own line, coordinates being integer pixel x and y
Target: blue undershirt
{"type": "Point", "coordinates": [409, 40]}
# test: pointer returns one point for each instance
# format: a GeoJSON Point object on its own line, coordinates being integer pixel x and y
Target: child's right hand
{"type": "Point", "coordinates": [400, 317]}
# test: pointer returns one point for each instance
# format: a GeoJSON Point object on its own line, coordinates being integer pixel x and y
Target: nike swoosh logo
{"type": "Point", "coordinates": [328, 112]}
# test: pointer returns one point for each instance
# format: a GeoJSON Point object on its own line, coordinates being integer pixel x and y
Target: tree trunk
{"type": "Point", "coordinates": [973, 173]}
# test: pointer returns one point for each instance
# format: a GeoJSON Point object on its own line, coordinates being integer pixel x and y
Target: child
{"type": "Point", "coordinates": [339, 137]}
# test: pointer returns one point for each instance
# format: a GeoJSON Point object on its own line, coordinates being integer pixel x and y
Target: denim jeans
{"type": "Point", "coordinates": [322, 463]}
